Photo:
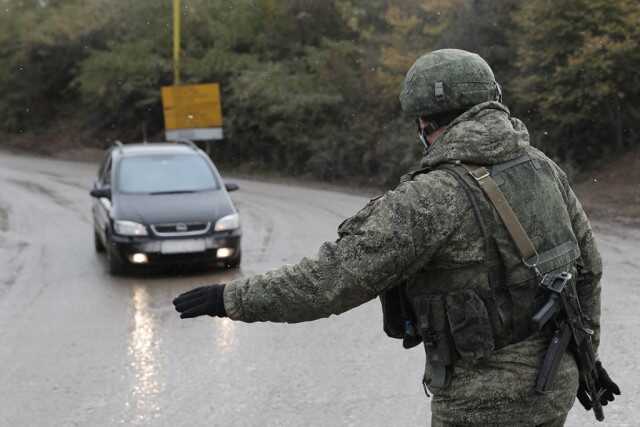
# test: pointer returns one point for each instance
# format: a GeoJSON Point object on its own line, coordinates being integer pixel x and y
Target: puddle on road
{"type": "Point", "coordinates": [143, 349]}
{"type": "Point", "coordinates": [224, 335]}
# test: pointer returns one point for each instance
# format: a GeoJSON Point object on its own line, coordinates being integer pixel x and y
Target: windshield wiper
{"type": "Point", "coordinates": [157, 193]}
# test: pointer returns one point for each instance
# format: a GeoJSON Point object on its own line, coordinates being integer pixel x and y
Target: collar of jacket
{"type": "Point", "coordinates": [485, 135]}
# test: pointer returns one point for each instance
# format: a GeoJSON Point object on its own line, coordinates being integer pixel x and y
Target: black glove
{"type": "Point", "coordinates": [201, 301]}
{"type": "Point", "coordinates": [604, 383]}
{"type": "Point", "coordinates": [583, 396]}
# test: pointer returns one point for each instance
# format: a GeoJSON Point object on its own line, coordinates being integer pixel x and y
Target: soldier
{"type": "Point", "coordinates": [440, 241]}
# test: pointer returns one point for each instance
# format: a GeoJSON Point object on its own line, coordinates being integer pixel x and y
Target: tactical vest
{"type": "Point", "coordinates": [467, 311]}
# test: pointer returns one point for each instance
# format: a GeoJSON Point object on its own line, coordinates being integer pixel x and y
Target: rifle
{"type": "Point", "coordinates": [563, 307]}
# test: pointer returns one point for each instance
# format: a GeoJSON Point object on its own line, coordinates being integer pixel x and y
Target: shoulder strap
{"type": "Point", "coordinates": [517, 232]}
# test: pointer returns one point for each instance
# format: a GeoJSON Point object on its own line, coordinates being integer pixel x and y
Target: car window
{"type": "Point", "coordinates": [165, 174]}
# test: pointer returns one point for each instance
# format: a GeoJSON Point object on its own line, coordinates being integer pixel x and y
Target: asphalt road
{"type": "Point", "coordinates": [78, 347]}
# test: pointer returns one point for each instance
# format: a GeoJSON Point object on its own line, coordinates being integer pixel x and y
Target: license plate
{"type": "Point", "coordinates": [182, 246]}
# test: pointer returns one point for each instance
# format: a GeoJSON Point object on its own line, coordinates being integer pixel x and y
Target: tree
{"type": "Point", "coordinates": [578, 65]}
{"type": "Point", "coordinates": [486, 28]}
{"type": "Point", "coordinates": [311, 86]}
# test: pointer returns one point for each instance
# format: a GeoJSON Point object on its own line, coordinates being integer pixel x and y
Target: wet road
{"type": "Point", "coordinates": [80, 348]}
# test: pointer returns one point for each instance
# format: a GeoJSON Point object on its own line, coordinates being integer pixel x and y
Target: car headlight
{"type": "Point", "coordinates": [129, 228]}
{"type": "Point", "coordinates": [229, 222]}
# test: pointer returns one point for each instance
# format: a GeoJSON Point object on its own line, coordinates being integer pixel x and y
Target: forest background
{"type": "Point", "coordinates": [310, 87]}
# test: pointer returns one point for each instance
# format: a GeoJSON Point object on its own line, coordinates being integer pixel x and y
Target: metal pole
{"type": "Point", "coordinates": [176, 42]}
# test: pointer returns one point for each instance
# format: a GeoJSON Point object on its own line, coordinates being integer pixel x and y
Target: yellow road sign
{"type": "Point", "coordinates": [192, 106]}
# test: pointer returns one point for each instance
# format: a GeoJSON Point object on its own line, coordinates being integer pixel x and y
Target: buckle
{"type": "Point", "coordinates": [533, 266]}
{"type": "Point", "coordinates": [479, 174]}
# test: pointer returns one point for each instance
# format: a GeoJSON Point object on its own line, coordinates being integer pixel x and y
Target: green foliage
{"type": "Point", "coordinates": [122, 81]}
{"type": "Point", "coordinates": [310, 86]}
{"type": "Point", "coordinates": [580, 74]}
{"type": "Point", "coordinates": [36, 66]}
{"type": "Point", "coordinates": [485, 27]}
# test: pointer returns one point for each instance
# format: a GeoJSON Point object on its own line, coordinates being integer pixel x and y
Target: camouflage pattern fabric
{"type": "Point", "coordinates": [469, 323]}
{"type": "Point", "coordinates": [406, 230]}
{"type": "Point", "coordinates": [557, 422]}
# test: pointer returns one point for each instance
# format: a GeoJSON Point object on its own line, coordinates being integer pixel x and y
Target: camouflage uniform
{"type": "Point", "coordinates": [425, 224]}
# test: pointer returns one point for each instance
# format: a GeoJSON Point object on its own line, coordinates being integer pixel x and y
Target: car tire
{"type": "Point", "coordinates": [234, 263]}
{"type": "Point", "coordinates": [116, 266]}
{"type": "Point", "coordinates": [97, 243]}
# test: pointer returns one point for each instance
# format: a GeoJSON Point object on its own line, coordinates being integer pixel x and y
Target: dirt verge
{"type": "Point", "coordinates": [611, 193]}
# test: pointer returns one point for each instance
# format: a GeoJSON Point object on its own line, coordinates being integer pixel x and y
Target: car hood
{"type": "Point", "coordinates": [206, 206]}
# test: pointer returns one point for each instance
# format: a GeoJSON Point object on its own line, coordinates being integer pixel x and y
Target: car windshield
{"type": "Point", "coordinates": [165, 174]}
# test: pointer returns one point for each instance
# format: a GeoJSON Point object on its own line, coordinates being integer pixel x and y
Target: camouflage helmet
{"type": "Point", "coordinates": [447, 80]}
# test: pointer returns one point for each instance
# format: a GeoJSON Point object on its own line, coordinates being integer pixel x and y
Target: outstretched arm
{"type": "Point", "coordinates": [379, 247]}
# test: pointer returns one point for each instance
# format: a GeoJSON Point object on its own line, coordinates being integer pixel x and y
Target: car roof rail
{"type": "Point", "coordinates": [188, 142]}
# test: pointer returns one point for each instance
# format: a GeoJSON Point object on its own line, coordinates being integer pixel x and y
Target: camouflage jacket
{"type": "Point", "coordinates": [406, 230]}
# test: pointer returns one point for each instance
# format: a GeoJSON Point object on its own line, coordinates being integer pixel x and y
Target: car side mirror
{"type": "Point", "coordinates": [99, 193]}
{"type": "Point", "coordinates": [231, 187]}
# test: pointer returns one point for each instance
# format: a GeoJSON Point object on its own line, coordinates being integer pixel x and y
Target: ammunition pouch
{"type": "Point", "coordinates": [392, 318]}
{"type": "Point", "coordinates": [470, 325]}
{"type": "Point", "coordinates": [434, 330]}
{"type": "Point", "coordinates": [398, 319]}
{"type": "Point", "coordinates": [453, 326]}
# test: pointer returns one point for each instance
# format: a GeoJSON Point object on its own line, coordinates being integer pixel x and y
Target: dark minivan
{"type": "Point", "coordinates": [163, 203]}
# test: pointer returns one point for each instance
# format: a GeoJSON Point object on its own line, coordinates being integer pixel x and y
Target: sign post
{"type": "Point", "coordinates": [176, 42]}
{"type": "Point", "coordinates": [191, 112]}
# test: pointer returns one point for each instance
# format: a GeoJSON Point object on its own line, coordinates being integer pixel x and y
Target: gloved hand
{"type": "Point", "coordinates": [200, 301]}
{"type": "Point", "coordinates": [604, 383]}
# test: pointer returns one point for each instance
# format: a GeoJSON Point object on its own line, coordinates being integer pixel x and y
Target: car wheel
{"type": "Point", "coordinates": [234, 263]}
{"type": "Point", "coordinates": [97, 243]}
{"type": "Point", "coordinates": [116, 265]}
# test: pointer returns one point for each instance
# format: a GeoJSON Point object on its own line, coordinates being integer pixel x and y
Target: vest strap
{"type": "Point", "coordinates": [568, 247]}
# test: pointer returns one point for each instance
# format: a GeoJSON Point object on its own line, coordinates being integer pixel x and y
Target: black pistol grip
{"type": "Point", "coordinates": [546, 313]}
